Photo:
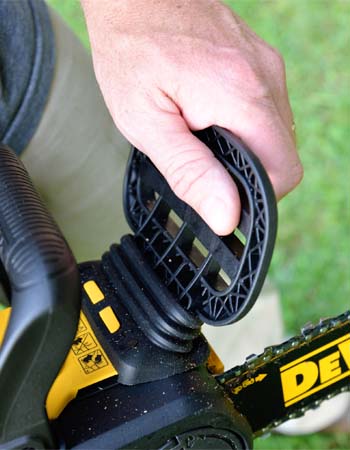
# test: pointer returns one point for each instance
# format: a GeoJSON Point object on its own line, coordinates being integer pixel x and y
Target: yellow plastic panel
{"type": "Point", "coordinates": [86, 364]}
{"type": "Point", "coordinates": [214, 363]}
{"type": "Point", "coordinates": [93, 291]}
{"type": "Point", "coordinates": [4, 318]}
{"type": "Point", "coordinates": [109, 319]}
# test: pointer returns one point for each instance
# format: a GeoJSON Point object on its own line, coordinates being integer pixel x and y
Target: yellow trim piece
{"type": "Point", "coordinates": [214, 363]}
{"type": "Point", "coordinates": [4, 319]}
{"type": "Point", "coordinates": [86, 364]}
{"type": "Point", "coordinates": [315, 352]}
{"type": "Point", "coordinates": [93, 291]}
{"type": "Point", "coordinates": [109, 319]}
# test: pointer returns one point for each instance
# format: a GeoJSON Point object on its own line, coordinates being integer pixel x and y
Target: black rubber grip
{"type": "Point", "coordinates": [45, 298]}
{"type": "Point", "coordinates": [30, 242]}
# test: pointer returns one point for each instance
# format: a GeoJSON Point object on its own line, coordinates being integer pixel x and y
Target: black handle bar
{"type": "Point", "coordinates": [45, 298]}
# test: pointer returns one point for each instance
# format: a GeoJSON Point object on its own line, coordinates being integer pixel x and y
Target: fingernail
{"type": "Point", "coordinates": [215, 212]}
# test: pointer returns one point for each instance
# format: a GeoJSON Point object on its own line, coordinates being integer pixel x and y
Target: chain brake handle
{"type": "Point", "coordinates": [216, 278]}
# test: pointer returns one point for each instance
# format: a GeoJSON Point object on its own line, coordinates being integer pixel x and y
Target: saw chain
{"type": "Point", "coordinates": [288, 379]}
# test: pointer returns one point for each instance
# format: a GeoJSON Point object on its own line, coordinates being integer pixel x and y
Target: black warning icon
{"type": "Point", "coordinates": [93, 361]}
{"type": "Point", "coordinates": [83, 343]}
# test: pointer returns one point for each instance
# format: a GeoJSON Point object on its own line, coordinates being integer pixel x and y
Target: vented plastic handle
{"type": "Point", "coordinates": [45, 297]}
{"type": "Point", "coordinates": [216, 278]}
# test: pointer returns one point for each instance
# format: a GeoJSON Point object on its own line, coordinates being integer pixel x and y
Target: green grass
{"type": "Point", "coordinates": [311, 264]}
{"type": "Point", "coordinates": [317, 441]}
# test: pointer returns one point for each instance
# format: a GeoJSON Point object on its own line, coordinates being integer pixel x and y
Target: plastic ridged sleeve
{"type": "Point", "coordinates": [45, 299]}
{"type": "Point", "coordinates": [216, 278]}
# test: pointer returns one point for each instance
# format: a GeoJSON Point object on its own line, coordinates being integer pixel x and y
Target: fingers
{"type": "Point", "coordinates": [272, 132]}
{"type": "Point", "coordinates": [258, 113]}
{"type": "Point", "coordinates": [269, 137]}
{"type": "Point", "coordinates": [193, 173]}
{"type": "Point", "coordinates": [265, 131]}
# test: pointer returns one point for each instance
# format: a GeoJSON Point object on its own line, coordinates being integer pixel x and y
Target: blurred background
{"type": "Point", "coordinates": [311, 264]}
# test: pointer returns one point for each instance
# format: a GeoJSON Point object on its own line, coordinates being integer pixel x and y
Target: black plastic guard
{"type": "Point", "coordinates": [216, 278]}
{"type": "Point", "coordinates": [185, 411]}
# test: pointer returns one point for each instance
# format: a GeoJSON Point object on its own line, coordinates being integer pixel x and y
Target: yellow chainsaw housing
{"type": "Point", "coordinates": [80, 368]}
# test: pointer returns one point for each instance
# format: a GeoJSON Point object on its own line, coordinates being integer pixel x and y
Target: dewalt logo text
{"type": "Point", "coordinates": [316, 370]}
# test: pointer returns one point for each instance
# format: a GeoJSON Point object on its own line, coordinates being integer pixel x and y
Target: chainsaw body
{"type": "Point", "coordinates": [135, 370]}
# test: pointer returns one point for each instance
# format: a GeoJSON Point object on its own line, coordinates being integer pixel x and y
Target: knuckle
{"type": "Point", "coordinates": [295, 176]}
{"type": "Point", "coordinates": [249, 76]}
{"type": "Point", "coordinates": [298, 174]}
{"type": "Point", "coordinates": [254, 82]}
{"type": "Point", "coordinates": [278, 61]}
{"type": "Point", "coordinates": [260, 92]}
{"type": "Point", "coordinates": [277, 56]}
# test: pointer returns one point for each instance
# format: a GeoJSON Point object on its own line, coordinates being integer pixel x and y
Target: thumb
{"type": "Point", "coordinates": [193, 173]}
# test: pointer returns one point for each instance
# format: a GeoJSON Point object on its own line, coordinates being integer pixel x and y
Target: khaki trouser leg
{"type": "Point", "coordinates": [77, 157]}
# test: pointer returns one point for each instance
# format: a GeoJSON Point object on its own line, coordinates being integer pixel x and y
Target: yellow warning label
{"type": "Point", "coordinates": [86, 364]}
{"type": "Point", "coordinates": [93, 361]}
{"type": "Point", "coordinates": [83, 343]}
{"type": "Point", "coordinates": [81, 326]}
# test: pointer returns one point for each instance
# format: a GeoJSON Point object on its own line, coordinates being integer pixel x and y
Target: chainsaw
{"type": "Point", "coordinates": [109, 354]}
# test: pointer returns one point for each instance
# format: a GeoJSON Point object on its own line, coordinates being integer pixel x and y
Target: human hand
{"type": "Point", "coordinates": [166, 67]}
